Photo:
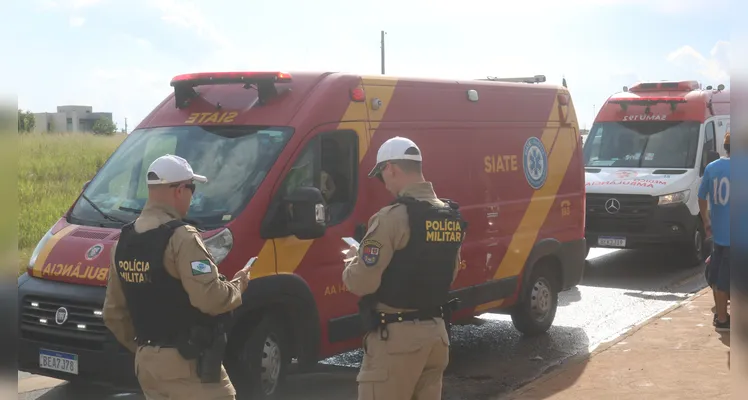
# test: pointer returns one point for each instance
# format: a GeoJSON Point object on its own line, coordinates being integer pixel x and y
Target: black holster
{"type": "Point", "coordinates": [367, 312]}
{"type": "Point", "coordinates": [192, 343]}
{"type": "Point", "coordinates": [207, 345]}
{"type": "Point", "coordinates": [449, 308]}
{"type": "Point", "coordinates": [210, 360]}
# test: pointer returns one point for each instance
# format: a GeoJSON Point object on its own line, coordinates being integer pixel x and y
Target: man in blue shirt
{"type": "Point", "coordinates": [714, 207]}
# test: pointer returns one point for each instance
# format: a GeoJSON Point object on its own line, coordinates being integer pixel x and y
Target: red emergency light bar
{"type": "Point", "coordinates": [685, 86]}
{"type": "Point", "coordinates": [184, 85]}
{"type": "Point", "coordinates": [648, 101]}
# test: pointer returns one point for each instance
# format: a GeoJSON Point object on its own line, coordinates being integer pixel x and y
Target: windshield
{"type": "Point", "coordinates": [644, 144]}
{"type": "Point", "coordinates": [235, 159]}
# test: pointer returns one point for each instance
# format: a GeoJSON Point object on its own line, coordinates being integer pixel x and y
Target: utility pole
{"type": "Point", "coordinates": [383, 33]}
{"type": "Point", "coordinates": [125, 124]}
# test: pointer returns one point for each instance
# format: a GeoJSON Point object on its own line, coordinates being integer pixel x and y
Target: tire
{"type": "Point", "coordinates": [588, 251]}
{"type": "Point", "coordinates": [536, 310]}
{"type": "Point", "coordinates": [259, 369]}
{"type": "Point", "coordinates": [698, 249]}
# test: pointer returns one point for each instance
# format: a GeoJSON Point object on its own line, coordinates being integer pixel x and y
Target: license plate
{"type": "Point", "coordinates": [58, 361]}
{"type": "Point", "coordinates": [611, 241]}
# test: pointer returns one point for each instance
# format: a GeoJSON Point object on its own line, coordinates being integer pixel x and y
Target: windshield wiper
{"type": "Point", "coordinates": [192, 222]}
{"type": "Point", "coordinates": [103, 214]}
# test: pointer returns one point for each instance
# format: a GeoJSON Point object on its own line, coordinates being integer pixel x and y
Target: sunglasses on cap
{"type": "Point", "coordinates": [377, 172]}
{"type": "Point", "coordinates": [190, 186]}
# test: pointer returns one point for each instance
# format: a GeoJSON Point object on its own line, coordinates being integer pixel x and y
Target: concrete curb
{"type": "Point", "coordinates": [34, 383]}
{"type": "Point", "coordinates": [556, 370]}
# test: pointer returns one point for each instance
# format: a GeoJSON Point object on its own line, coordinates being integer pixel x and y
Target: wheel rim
{"type": "Point", "coordinates": [540, 299]}
{"type": "Point", "coordinates": [270, 365]}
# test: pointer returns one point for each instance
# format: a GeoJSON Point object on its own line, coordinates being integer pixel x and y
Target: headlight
{"type": "Point", "coordinates": [220, 244]}
{"type": "Point", "coordinates": [39, 247]}
{"type": "Point", "coordinates": [674, 198]}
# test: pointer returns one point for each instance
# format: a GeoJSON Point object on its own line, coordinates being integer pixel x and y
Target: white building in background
{"type": "Point", "coordinates": [69, 119]}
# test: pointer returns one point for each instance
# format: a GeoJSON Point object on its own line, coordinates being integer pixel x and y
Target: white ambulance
{"type": "Point", "coordinates": [644, 158]}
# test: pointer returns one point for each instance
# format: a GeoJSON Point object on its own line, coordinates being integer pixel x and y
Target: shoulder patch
{"type": "Point", "coordinates": [200, 267]}
{"type": "Point", "coordinates": [371, 242]}
{"type": "Point", "coordinates": [370, 252]}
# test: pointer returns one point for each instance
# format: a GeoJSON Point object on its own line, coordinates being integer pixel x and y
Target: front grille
{"type": "Point", "coordinates": [84, 327]}
{"type": "Point", "coordinates": [632, 216]}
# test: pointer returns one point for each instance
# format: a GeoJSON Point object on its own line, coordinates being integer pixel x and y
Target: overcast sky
{"type": "Point", "coordinates": [119, 55]}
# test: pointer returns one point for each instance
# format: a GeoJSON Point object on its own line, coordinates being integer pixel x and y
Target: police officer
{"type": "Point", "coordinates": [162, 282]}
{"type": "Point", "coordinates": [403, 270]}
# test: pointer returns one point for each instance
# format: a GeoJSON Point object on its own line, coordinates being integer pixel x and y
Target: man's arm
{"type": "Point", "coordinates": [115, 313]}
{"type": "Point", "coordinates": [704, 196]}
{"type": "Point", "coordinates": [363, 274]}
{"type": "Point", "coordinates": [199, 274]}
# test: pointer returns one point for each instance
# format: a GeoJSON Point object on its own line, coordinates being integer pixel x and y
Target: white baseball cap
{"type": "Point", "coordinates": [396, 148]}
{"type": "Point", "coordinates": [171, 169]}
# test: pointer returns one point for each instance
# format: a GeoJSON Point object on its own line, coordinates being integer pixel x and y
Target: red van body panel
{"type": "Point", "coordinates": [482, 154]}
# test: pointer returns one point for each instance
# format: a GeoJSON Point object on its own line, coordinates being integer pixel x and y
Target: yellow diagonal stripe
{"type": "Point", "coordinates": [561, 144]}
{"type": "Point", "coordinates": [51, 243]}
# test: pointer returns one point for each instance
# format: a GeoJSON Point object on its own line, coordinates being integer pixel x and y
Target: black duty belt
{"type": "Point", "coordinates": [383, 319]}
{"type": "Point", "coordinates": [390, 318]}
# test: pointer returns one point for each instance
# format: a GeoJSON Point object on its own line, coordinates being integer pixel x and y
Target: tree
{"type": "Point", "coordinates": [26, 121]}
{"type": "Point", "coordinates": [30, 121]}
{"type": "Point", "coordinates": [104, 126]}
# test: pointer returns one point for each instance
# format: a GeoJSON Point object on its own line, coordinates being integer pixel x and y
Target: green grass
{"type": "Point", "coordinates": [52, 169]}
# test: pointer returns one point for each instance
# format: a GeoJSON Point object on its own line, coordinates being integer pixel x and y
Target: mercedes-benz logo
{"type": "Point", "coordinates": [612, 206]}
{"type": "Point", "coordinates": [61, 315]}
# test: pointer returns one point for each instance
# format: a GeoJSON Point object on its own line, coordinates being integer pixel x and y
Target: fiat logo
{"type": "Point", "coordinates": [61, 315]}
{"type": "Point", "coordinates": [612, 206]}
{"type": "Point", "coordinates": [94, 252]}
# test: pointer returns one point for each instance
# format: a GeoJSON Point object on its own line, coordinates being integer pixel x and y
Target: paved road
{"type": "Point", "coordinates": [620, 289]}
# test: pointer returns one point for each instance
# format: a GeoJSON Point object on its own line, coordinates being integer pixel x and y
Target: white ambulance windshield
{"type": "Point", "coordinates": [650, 144]}
{"type": "Point", "coordinates": [234, 159]}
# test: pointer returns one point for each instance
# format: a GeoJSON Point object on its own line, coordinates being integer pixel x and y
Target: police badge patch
{"type": "Point", "coordinates": [370, 252]}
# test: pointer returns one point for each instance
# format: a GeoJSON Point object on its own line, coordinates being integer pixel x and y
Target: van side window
{"type": "Point", "coordinates": [339, 172]}
{"type": "Point", "coordinates": [709, 142]}
{"type": "Point", "coordinates": [330, 163]}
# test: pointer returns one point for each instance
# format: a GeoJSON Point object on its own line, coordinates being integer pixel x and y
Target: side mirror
{"type": "Point", "coordinates": [306, 213]}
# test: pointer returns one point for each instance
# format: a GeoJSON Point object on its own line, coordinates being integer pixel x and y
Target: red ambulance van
{"type": "Point", "coordinates": [509, 153]}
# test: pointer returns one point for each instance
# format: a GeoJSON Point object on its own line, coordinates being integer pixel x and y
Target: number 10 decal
{"type": "Point", "coordinates": [721, 191]}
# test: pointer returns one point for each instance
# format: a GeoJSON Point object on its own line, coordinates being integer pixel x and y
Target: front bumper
{"type": "Point", "coordinates": [640, 223]}
{"type": "Point", "coordinates": [101, 359]}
